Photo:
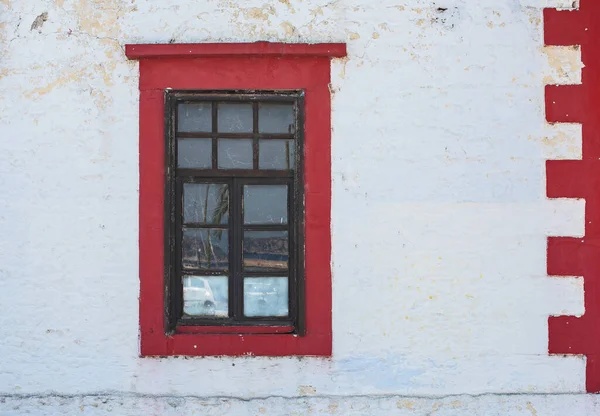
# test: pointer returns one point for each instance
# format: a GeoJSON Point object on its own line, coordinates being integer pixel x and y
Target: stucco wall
{"type": "Point", "coordinates": [439, 218]}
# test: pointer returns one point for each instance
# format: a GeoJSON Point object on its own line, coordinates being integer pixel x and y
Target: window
{"type": "Point", "coordinates": [235, 198]}
{"type": "Point", "coordinates": [235, 215]}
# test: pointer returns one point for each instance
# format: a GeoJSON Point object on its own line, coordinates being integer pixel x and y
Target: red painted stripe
{"type": "Point", "coordinates": [578, 256]}
{"type": "Point", "coordinates": [563, 27]}
{"type": "Point", "coordinates": [564, 179]}
{"type": "Point", "coordinates": [151, 216]}
{"type": "Point", "coordinates": [591, 372]}
{"type": "Point", "coordinates": [262, 49]}
{"type": "Point", "coordinates": [565, 103]}
{"type": "Point", "coordinates": [563, 256]}
{"type": "Point", "coordinates": [568, 335]}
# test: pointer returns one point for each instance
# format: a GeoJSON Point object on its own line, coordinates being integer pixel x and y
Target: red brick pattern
{"type": "Point", "coordinates": [578, 179]}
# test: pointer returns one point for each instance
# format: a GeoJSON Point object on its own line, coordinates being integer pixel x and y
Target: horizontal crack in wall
{"type": "Point", "coordinates": [118, 394]}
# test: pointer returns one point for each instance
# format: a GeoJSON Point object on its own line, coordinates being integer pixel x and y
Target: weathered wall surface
{"type": "Point", "coordinates": [439, 218]}
{"type": "Point", "coordinates": [517, 405]}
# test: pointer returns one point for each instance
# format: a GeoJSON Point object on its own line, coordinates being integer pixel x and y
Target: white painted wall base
{"type": "Point", "coordinates": [133, 405]}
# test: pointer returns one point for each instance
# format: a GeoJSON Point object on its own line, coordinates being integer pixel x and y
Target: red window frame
{"type": "Point", "coordinates": [246, 66]}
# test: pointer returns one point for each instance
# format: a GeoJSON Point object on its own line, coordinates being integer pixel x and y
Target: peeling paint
{"type": "Point", "coordinates": [288, 28]}
{"type": "Point", "coordinates": [384, 26]}
{"type": "Point", "coordinates": [564, 64]}
{"type": "Point", "coordinates": [262, 13]}
{"type": "Point", "coordinates": [306, 390]}
{"type": "Point", "coordinates": [288, 4]}
{"type": "Point", "coordinates": [39, 21]}
{"type": "Point", "coordinates": [99, 18]}
{"type": "Point", "coordinates": [531, 409]}
{"type": "Point", "coordinates": [344, 62]}
{"type": "Point", "coordinates": [535, 17]}
{"type": "Point", "coordinates": [64, 79]}
{"type": "Point", "coordinates": [405, 404]}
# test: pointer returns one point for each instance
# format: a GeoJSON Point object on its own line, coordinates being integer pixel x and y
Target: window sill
{"type": "Point", "coordinates": [239, 330]}
{"type": "Point", "coordinates": [235, 345]}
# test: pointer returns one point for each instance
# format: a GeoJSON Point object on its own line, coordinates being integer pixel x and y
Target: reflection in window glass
{"type": "Point", "coordinates": [234, 218]}
{"type": "Point", "coordinates": [206, 296]}
{"type": "Point", "coordinates": [266, 296]}
{"type": "Point", "coordinates": [194, 117]}
{"type": "Point", "coordinates": [235, 154]}
{"type": "Point", "coordinates": [265, 204]}
{"type": "Point", "coordinates": [205, 249]}
{"type": "Point", "coordinates": [205, 203]}
{"type": "Point", "coordinates": [265, 250]}
{"type": "Point", "coordinates": [235, 118]}
{"type": "Point", "coordinates": [276, 118]}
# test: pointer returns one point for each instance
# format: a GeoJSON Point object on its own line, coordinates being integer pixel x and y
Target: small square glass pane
{"type": "Point", "coordinates": [194, 117]}
{"type": "Point", "coordinates": [265, 250]}
{"type": "Point", "coordinates": [276, 154]}
{"type": "Point", "coordinates": [205, 249]}
{"type": "Point", "coordinates": [266, 296]}
{"type": "Point", "coordinates": [206, 296]}
{"type": "Point", "coordinates": [276, 118]}
{"type": "Point", "coordinates": [235, 118]}
{"type": "Point", "coordinates": [194, 153]}
{"type": "Point", "coordinates": [265, 204]}
{"type": "Point", "coordinates": [205, 203]}
{"type": "Point", "coordinates": [235, 154]}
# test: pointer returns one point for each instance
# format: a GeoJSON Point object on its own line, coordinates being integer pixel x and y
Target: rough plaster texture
{"type": "Point", "coordinates": [485, 405]}
{"type": "Point", "coordinates": [439, 212]}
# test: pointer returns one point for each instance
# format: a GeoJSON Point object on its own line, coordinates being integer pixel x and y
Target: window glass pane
{"type": "Point", "coordinates": [194, 153]}
{"type": "Point", "coordinates": [266, 296]}
{"type": "Point", "coordinates": [265, 204]}
{"type": "Point", "coordinates": [235, 118]}
{"type": "Point", "coordinates": [205, 203]}
{"type": "Point", "coordinates": [265, 250]}
{"type": "Point", "coordinates": [196, 117]}
{"type": "Point", "coordinates": [276, 154]}
{"type": "Point", "coordinates": [205, 249]}
{"type": "Point", "coordinates": [276, 118]}
{"type": "Point", "coordinates": [235, 154]}
{"type": "Point", "coordinates": [206, 296]}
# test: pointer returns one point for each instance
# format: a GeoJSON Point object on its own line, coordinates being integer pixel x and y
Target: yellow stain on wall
{"type": "Point", "coordinates": [63, 79]}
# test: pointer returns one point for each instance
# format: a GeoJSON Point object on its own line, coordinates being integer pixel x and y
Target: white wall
{"type": "Point", "coordinates": [439, 218]}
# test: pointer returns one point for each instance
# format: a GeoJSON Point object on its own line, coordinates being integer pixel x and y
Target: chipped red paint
{"type": "Point", "coordinates": [232, 69]}
{"type": "Point", "coordinates": [578, 179]}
